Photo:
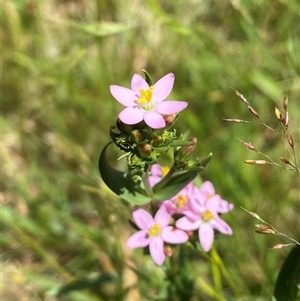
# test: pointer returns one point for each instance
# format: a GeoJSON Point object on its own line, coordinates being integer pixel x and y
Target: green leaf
{"type": "Point", "coordinates": [287, 286]}
{"type": "Point", "coordinates": [174, 185]}
{"type": "Point", "coordinates": [119, 183]}
{"type": "Point", "coordinates": [148, 78]}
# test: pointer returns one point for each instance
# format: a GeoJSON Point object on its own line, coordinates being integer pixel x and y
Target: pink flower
{"type": "Point", "coordinates": [154, 232]}
{"type": "Point", "coordinates": [147, 103]}
{"type": "Point", "coordinates": [205, 218]}
{"type": "Point", "coordinates": [181, 202]}
{"type": "Point", "coordinates": [207, 192]}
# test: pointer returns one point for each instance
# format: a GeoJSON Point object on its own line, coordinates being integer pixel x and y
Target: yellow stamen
{"type": "Point", "coordinates": [146, 96]}
{"type": "Point", "coordinates": [207, 216]}
{"type": "Point", "coordinates": [154, 230]}
{"type": "Point", "coordinates": [165, 170]}
{"type": "Point", "coordinates": [181, 201]}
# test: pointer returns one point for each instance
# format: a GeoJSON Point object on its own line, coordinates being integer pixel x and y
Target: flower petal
{"type": "Point", "coordinates": [143, 219]}
{"type": "Point", "coordinates": [138, 240]}
{"type": "Point", "coordinates": [221, 226]}
{"type": "Point", "coordinates": [162, 217]}
{"type": "Point", "coordinates": [123, 95]}
{"type": "Point", "coordinates": [174, 236]}
{"type": "Point", "coordinates": [212, 203]}
{"type": "Point", "coordinates": [131, 115]}
{"type": "Point", "coordinates": [185, 224]}
{"type": "Point", "coordinates": [156, 170]}
{"type": "Point", "coordinates": [206, 236]}
{"type": "Point", "coordinates": [163, 87]}
{"type": "Point", "coordinates": [170, 107]}
{"type": "Point", "coordinates": [138, 83]}
{"type": "Point", "coordinates": [207, 188]}
{"type": "Point", "coordinates": [224, 206]}
{"type": "Point", "coordinates": [154, 120]}
{"type": "Point", "coordinates": [156, 248]}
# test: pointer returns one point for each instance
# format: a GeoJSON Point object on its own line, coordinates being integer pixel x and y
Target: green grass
{"type": "Point", "coordinates": [60, 223]}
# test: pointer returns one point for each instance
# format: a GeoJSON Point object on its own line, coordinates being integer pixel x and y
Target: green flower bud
{"type": "Point", "coordinates": [136, 136]}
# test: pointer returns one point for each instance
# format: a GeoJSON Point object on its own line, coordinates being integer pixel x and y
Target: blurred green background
{"type": "Point", "coordinates": [59, 221]}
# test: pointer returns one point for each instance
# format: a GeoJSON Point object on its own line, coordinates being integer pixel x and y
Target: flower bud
{"type": "Point", "coordinates": [136, 136]}
{"type": "Point", "coordinates": [157, 140]}
{"type": "Point", "coordinates": [169, 119]}
{"type": "Point", "coordinates": [188, 149]}
{"type": "Point", "coordinates": [145, 150]}
{"type": "Point", "coordinates": [124, 128]}
{"type": "Point", "coordinates": [168, 251]}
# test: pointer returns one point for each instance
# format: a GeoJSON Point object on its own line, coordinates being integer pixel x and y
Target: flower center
{"type": "Point", "coordinates": [154, 230]}
{"type": "Point", "coordinates": [181, 201]}
{"type": "Point", "coordinates": [165, 170]}
{"type": "Point", "coordinates": [145, 99]}
{"type": "Point", "coordinates": [207, 216]}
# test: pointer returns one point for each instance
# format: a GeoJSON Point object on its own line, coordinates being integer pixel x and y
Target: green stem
{"type": "Point", "coordinates": [226, 274]}
{"type": "Point", "coordinates": [146, 183]}
{"type": "Point", "coordinates": [217, 278]}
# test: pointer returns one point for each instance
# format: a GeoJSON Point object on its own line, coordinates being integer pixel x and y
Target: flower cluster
{"type": "Point", "coordinates": [143, 131]}
{"type": "Point", "coordinates": [199, 209]}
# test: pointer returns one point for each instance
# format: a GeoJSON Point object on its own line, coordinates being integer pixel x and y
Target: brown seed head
{"type": "Point", "coordinates": [266, 231]}
{"type": "Point", "coordinates": [234, 120]}
{"type": "Point", "coordinates": [291, 141]}
{"type": "Point", "coordinates": [286, 123]}
{"type": "Point", "coordinates": [249, 146]}
{"type": "Point", "coordinates": [285, 160]}
{"type": "Point", "coordinates": [255, 113]}
{"type": "Point", "coordinates": [241, 97]}
{"type": "Point", "coordinates": [258, 162]}
{"type": "Point", "coordinates": [278, 246]}
{"type": "Point", "coordinates": [253, 214]}
{"type": "Point", "coordinates": [262, 227]}
{"type": "Point", "coordinates": [285, 103]}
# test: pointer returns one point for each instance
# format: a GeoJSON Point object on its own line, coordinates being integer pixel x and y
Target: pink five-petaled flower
{"type": "Point", "coordinates": [204, 217]}
{"type": "Point", "coordinates": [147, 103]}
{"type": "Point", "coordinates": [154, 232]}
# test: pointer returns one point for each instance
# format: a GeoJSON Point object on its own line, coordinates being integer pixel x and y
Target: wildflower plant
{"type": "Point", "coordinates": [170, 212]}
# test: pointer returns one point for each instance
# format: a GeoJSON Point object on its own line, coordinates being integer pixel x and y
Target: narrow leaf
{"type": "Point", "coordinates": [175, 184]}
